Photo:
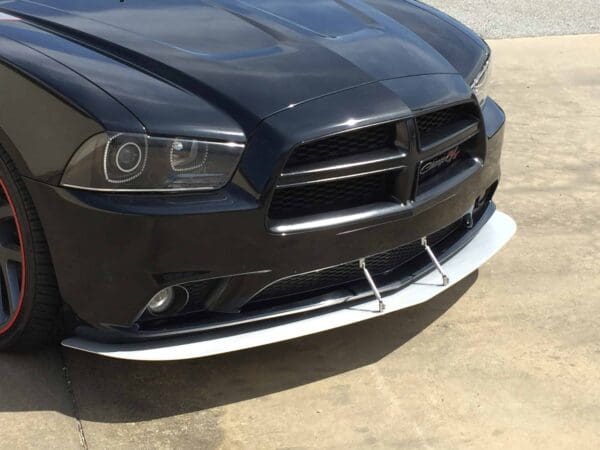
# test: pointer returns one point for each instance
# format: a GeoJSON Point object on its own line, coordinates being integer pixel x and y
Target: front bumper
{"type": "Point", "coordinates": [112, 253]}
{"type": "Point", "coordinates": [496, 232]}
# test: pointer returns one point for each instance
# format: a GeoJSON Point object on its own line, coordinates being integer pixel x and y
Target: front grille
{"type": "Point", "coordinates": [332, 196]}
{"type": "Point", "coordinates": [344, 274]}
{"type": "Point", "coordinates": [338, 194]}
{"type": "Point", "coordinates": [346, 144]}
{"type": "Point", "coordinates": [385, 160]}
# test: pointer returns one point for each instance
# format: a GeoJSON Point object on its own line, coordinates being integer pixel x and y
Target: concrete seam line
{"type": "Point", "coordinates": [69, 385]}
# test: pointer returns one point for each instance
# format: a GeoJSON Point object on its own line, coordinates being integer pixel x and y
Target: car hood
{"type": "Point", "coordinates": [251, 59]}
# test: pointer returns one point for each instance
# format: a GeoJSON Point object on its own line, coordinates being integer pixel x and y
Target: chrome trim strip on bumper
{"type": "Point", "coordinates": [490, 239]}
{"type": "Point", "coordinates": [338, 218]}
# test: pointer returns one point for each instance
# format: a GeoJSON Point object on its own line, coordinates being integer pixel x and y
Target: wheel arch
{"type": "Point", "coordinates": [9, 147]}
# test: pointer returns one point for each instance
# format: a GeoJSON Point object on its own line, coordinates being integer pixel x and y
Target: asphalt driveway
{"type": "Point", "coordinates": [509, 358]}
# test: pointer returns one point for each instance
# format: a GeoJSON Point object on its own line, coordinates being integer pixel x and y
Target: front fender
{"type": "Point", "coordinates": [46, 111]}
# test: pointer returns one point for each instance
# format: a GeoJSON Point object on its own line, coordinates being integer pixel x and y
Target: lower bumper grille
{"type": "Point", "coordinates": [313, 283]}
{"type": "Point", "coordinates": [306, 292]}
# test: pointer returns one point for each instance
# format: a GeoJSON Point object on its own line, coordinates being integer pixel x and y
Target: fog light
{"type": "Point", "coordinates": [162, 301]}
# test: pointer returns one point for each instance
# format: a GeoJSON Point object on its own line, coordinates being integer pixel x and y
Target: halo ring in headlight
{"type": "Point", "coordinates": [128, 157]}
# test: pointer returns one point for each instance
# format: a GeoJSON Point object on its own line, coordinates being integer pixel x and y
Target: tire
{"type": "Point", "coordinates": [30, 302]}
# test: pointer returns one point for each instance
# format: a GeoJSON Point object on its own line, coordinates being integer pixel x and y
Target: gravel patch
{"type": "Point", "coordinates": [518, 18]}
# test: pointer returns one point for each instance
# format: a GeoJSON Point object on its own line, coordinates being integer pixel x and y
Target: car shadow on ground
{"type": "Point", "coordinates": [117, 391]}
{"type": "Point", "coordinates": [34, 382]}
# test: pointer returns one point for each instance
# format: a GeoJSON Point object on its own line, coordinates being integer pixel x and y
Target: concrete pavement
{"type": "Point", "coordinates": [510, 358]}
{"type": "Point", "coordinates": [510, 18]}
{"type": "Point", "coordinates": [36, 410]}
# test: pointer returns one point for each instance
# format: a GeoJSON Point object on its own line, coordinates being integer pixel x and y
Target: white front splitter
{"type": "Point", "coordinates": [490, 239]}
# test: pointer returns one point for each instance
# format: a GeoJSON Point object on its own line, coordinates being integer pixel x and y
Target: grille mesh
{"type": "Point", "coordinates": [432, 121]}
{"type": "Point", "coordinates": [352, 143]}
{"type": "Point", "coordinates": [428, 123]}
{"type": "Point", "coordinates": [199, 291]}
{"type": "Point", "coordinates": [333, 196]}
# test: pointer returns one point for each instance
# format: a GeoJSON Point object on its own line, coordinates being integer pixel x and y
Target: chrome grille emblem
{"type": "Point", "coordinates": [443, 160]}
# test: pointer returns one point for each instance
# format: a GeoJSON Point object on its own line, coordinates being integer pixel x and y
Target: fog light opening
{"type": "Point", "coordinates": [168, 301]}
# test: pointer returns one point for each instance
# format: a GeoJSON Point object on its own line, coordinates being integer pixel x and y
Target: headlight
{"type": "Point", "coordinates": [134, 162]}
{"type": "Point", "coordinates": [481, 83]}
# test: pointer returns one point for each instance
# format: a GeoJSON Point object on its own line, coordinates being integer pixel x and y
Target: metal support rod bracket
{"type": "Point", "coordinates": [363, 266]}
{"type": "Point", "coordinates": [438, 266]}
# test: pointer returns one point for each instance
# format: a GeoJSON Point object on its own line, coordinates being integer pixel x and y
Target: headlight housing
{"type": "Point", "coordinates": [135, 162]}
{"type": "Point", "coordinates": [482, 81]}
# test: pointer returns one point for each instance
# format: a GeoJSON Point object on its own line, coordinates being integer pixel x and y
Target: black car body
{"type": "Point", "coordinates": [351, 129]}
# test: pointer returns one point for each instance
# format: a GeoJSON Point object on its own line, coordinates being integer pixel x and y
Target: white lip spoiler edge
{"type": "Point", "coordinates": [489, 240]}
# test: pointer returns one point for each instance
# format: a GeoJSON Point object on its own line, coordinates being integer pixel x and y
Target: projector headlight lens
{"type": "Point", "coordinates": [134, 162]}
{"type": "Point", "coordinates": [481, 84]}
{"type": "Point", "coordinates": [129, 157]}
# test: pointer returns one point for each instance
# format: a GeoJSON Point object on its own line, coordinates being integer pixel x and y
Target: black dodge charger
{"type": "Point", "coordinates": [191, 177]}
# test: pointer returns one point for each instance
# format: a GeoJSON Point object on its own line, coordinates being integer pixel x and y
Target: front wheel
{"type": "Point", "coordinates": [29, 298]}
